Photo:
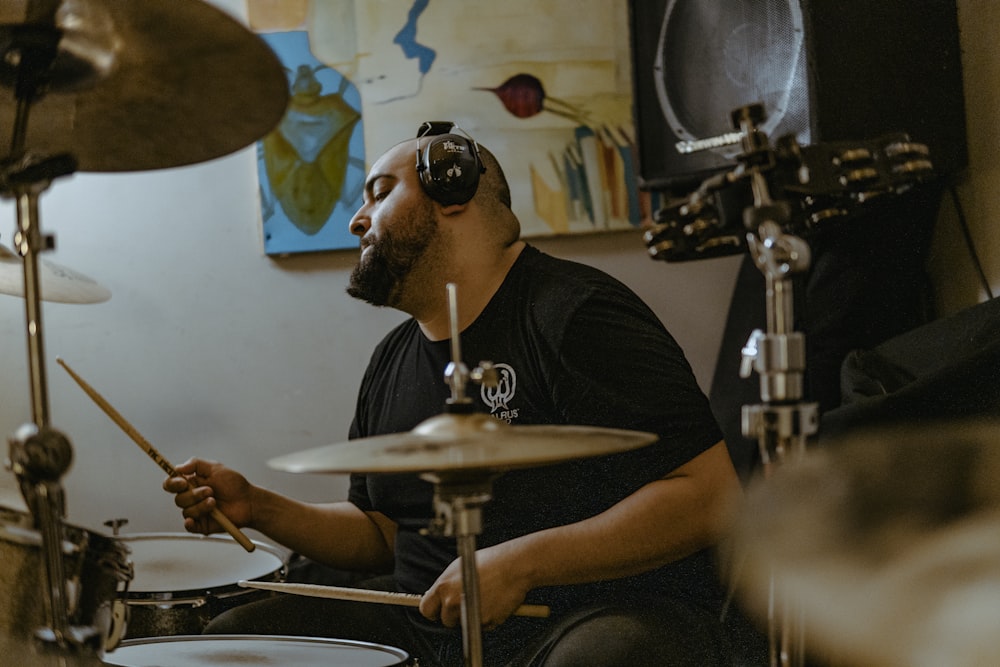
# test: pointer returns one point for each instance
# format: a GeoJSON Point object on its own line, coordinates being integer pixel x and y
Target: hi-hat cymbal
{"type": "Point", "coordinates": [470, 442]}
{"type": "Point", "coordinates": [56, 283]}
{"type": "Point", "coordinates": [175, 82]}
{"type": "Point", "coordinates": [888, 542]}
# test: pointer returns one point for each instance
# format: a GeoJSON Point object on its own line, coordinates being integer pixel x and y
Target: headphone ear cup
{"type": "Point", "coordinates": [449, 169]}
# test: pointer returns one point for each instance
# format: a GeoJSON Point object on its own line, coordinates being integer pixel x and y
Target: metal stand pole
{"type": "Point", "coordinates": [39, 455]}
{"type": "Point", "coordinates": [458, 501]}
{"type": "Point", "coordinates": [782, 423]}
{"type": "Point", "coordinates": [828, 182]}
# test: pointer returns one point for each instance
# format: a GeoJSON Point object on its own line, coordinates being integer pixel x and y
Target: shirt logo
{"type": "Point", "coordinates": [499, 397]}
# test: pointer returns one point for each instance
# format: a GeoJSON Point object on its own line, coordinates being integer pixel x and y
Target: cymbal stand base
{"type": "Point", "coordinates": [458, 501]}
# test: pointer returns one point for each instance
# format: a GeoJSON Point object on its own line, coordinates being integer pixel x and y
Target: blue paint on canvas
{"type": "Point", "coordinates": [312, 166]}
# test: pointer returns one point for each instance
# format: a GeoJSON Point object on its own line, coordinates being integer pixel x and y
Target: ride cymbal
{"type": "Point", "coordinates": [449, 442]}
{"type": "Point", "coordinates": [888, 542]}
{"type": "Point", "coordinates": [143, 85]}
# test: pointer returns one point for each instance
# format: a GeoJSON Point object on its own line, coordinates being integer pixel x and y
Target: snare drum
{"type": "Point", "coordinates": [96, 569]}
{"type": "Point", "coordinates": [183, 581]}
{"type": "Point", "coordinates": [257, 650]}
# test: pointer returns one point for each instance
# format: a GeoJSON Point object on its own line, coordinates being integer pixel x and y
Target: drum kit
{"type": "Point", "coordinates": [102, 86]}
{"type": "Point", "coordinates": [118, 85]}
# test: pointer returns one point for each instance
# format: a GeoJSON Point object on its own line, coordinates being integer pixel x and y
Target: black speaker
{"type": "Point", "coordinates": [825, 70]}
{"type": "Point", "coordinates": [448, 164]}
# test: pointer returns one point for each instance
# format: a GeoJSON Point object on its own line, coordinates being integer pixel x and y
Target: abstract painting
{"type": "Point", "coordinates": [544, 84]}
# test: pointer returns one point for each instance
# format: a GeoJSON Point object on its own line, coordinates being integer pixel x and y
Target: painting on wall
{"type": "Point", "coordinates": [311, 167]}
{"type": "Point", "coordinates": [544, 84]}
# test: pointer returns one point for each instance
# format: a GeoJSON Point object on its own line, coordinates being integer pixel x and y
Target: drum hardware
{"type": "Point", "coordinates": [39, 454]}
{"type": "Point", "coordinates": [824, 182]}
{"type": "Point", "coordinates": [97, 568]}
{"type": "Point", "coordinates": [115, 525]}
{"type": "Point", "coordinates": [153, 453]}
{"type": "Point", "coordinates": [99, 74]}
{"type": "Point", "coordinates": [819, 185]}
{"type": "Point", "coordinates": [783, 422]}
{"type": "Point", "coordinates": [461, 452]}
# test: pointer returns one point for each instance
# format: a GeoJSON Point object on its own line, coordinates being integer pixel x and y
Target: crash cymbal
{"type": "Point", "coordinates": [463, 442]}
{"type": "Point", "coordinates": [56, 283]}
{"type": "Point", "coordinates": [889, 543]}
{"type": "Point", "coordinates": [146, 85]}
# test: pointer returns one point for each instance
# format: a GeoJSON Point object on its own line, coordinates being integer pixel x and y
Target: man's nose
{"type": "Point", "coordinates": [359, 223]}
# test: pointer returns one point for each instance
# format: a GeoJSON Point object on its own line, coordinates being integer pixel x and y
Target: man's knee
{"type": "Point", "coordinates": [625, 637]}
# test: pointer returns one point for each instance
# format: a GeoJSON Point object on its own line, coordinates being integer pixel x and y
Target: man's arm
{"type": "Point", "coordinates": [665, 520]}
{"type": "Point", "coordinates": [337, 534]}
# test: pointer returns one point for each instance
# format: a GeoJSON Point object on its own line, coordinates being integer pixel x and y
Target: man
{"type": "Point", "coordinates": [618, 546]}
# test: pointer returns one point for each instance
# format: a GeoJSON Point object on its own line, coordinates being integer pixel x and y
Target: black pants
{"type": "Point", "coordinates": [664, 633]}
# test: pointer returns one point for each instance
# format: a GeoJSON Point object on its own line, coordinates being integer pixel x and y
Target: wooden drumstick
{"type": "Point", "coordinates": [145, 445]}
{"type": "Point", "coordinates": [363, 595]}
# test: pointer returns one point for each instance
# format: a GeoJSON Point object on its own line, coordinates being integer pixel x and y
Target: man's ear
{"type": "Point", "coordinates": [454, 209]}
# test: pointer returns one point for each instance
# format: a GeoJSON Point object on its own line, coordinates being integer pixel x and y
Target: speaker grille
{"type": "Point", "coordinates": [713, 57]}
{"type": "Point", "coordinates": [825, 70]}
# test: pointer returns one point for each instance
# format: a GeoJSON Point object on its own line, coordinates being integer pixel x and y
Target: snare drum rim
{"type": "Point", "coordinates": [197, 596]}
{"type": "Point", "coordinates": [404, 656]}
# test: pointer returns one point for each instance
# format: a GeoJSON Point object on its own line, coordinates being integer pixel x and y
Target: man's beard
{"type": "Point", "coordinates": [379, 274]}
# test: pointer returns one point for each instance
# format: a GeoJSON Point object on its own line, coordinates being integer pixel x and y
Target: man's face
{"type": "Point", "coordinates": [397, 223]}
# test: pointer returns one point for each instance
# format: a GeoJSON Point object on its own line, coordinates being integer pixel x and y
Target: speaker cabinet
{"type": "Point", "coordinates": [825, 70]}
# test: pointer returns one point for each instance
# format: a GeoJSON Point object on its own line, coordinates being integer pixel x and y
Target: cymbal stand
{"type": "Point", "coordinates": [782, 423]}
{"type": "Point", "coordinates": [458, 501]}
{"type": "Point", "coordinates": [460, 495]}
{"type": "Point", "coordinates": [39, 454]}
{"type": "Point", "coordinates": [830, 182]}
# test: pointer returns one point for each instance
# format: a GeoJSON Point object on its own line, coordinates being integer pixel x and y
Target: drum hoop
{"type": "Point", "coordinates": [404, 656]}
{"type": "Point", "coordinates": [22, 533]}
{"type": "Point", "coordinates": [196, 597]}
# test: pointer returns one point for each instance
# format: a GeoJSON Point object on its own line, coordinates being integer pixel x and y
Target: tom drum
{"type": "Point", "coordinates": [183, 581]}
{"type": "Point", "coordinates": [96, 570]}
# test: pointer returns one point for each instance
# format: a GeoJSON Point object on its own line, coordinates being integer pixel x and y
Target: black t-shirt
{"type": "Point", "coordinates": [573, 346]}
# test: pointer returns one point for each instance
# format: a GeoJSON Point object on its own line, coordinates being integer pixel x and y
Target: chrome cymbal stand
{"type": "Point", "coordinates": [460, 495]}
{"type": "Point", "coordinates": [458, 500]}
{"type": "Point", "coordinates": [830, 181]}
{"type": "Point", "coordinates": [782, 423]}
{"type": "Point", "coordinates": [39, 454]}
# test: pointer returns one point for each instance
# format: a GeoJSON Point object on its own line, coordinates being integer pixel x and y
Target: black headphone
{"type": "Point", "coordinates": [449, 165]}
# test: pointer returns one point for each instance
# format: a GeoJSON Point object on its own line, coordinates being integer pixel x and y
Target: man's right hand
{"type": "Point", "coordinates": [203, 485]}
